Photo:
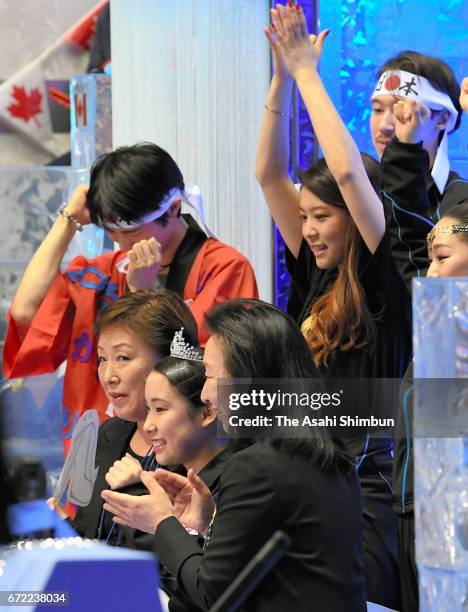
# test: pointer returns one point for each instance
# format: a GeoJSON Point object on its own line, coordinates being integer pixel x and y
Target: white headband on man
{"type": "Point", "coordinates": [164, 205]}
{"type": "Point", "coordinates": [191, 196]}
{"type": "Point", "coordinates": [414, 87]}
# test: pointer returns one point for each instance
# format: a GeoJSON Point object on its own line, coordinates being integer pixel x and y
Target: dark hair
{"type": "Point", "coordinates": [340, 319]}
{"type": "Point", "coordinates": [459, 213]}
{"type": "Point", "coordinates": [319, 180]}
{"type": "Point", "coordinates": [131, 182]}
{"type": "Point", "coordinates": [435, 70]}
{"type": "Point", "coordinates": [186, 375]}
{"type": "Point", "coordinates": [261, 341]}
{"type": "Point", "coordinates": [154, 316]}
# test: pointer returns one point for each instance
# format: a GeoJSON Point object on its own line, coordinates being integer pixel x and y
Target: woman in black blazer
{"type": "Point", "coordinates": [306, 487]}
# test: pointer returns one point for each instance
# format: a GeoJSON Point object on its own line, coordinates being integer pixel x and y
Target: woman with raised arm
{"type": "Point", "coordinates": [354, 308]}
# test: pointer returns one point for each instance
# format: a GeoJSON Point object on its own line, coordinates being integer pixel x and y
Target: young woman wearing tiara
{"type": "Point", "coordinates": [150, 338]}
{"type": "Point", "coordinates": [183, 431]}
{"type": "Point", "coordinates": [299, 486]}
{"type": "Point", "coordinates": [134, 333]}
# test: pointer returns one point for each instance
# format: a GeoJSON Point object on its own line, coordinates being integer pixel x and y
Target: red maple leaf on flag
{"type": "Point", "coordinates": [27, 106]}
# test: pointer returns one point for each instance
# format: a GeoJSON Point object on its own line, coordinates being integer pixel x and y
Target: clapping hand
{"type": "Point", "coordinates": [143, 512]}
{"type": "Point", "coordinates": [193, 503]}
{"type": "Point", "coordinates": [300, 52]}
{"type": "Point", "coordinates": [279, 67]}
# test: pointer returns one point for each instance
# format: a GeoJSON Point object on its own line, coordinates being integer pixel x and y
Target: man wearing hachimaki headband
{"type": "Point", "coordinates": [424, 90]}
{"type": "Point", "coordinates": [136, 194]}
{"type": "Point", "coordinates": [415, 108]}
{"type": "Point", "coordinates": [425, 205]}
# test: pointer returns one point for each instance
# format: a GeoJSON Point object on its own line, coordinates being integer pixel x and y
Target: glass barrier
{"type": "Point", "coordinates": [440, 309]}
{"type": "Point", "coordinates": [29, 200]}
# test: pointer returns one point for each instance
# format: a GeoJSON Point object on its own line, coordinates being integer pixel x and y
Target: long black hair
{"type": "Point", "coordinates": [261, 341]}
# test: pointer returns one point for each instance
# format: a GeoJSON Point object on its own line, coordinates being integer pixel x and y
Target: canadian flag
{"type": "Point", "coordinates": [24, 106]}
{"type": "Point", "coordinates": [25, 109]}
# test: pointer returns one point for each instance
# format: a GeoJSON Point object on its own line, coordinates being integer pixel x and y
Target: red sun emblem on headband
{"type": "Point", "coordinates": [392, 83]}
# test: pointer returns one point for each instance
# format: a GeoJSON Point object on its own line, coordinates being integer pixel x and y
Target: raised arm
{"type": "Point", "coordinates": [45, 263]}
{"type": "Point", "coordinates": [405, 170]}
{"type": "Point", "coordinates": [272, 162]}
{"type": "Point", "coordinates": [301, 55]}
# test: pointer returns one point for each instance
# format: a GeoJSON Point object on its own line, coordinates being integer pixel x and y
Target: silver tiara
{"type": "Point", "coordinates": [183, 350]}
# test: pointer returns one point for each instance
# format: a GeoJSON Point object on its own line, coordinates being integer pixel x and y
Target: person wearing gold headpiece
{"type": "Point", "coordinates": [447, 245]}
{"type": "Point", "coordinates": [348, 296]}
{"type": "Point", "coordinates": [443, 252]}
